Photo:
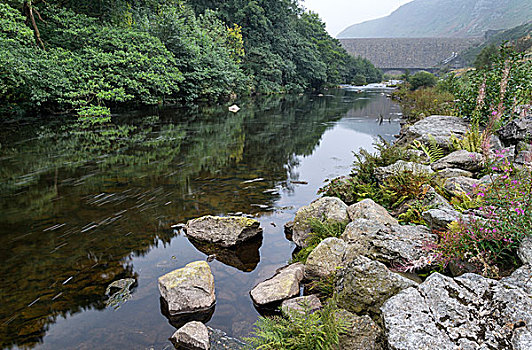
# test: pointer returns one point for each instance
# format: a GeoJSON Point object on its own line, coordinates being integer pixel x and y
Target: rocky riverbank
{"type": "Point", "coordinates": [385, 308]}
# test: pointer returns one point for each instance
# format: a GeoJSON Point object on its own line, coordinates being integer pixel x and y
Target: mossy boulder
{"type": "Point", "coordinates": [189, 289]}
{"type": "Point", "coordinates": [224, 231]}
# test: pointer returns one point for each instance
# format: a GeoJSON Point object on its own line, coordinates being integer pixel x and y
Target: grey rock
{"type": "Point", "coordinates": [433, 199]}
{"type": "Point", "coordinates": [382, 173]}
{"type": "Point", "coordinates": [301, 304]}
{"type": "Point", "coordinates": [364, 285]}
{"type": "Point", "coordinates": [437, 127]}
{"type": "Point", "coordinates": [368, 209]}
{"type": "Point", "coordinates": [462, 159]}
{"type": "Point", "coordinates": [385, 243]}
{"type": "Point", "coordinates": [189, 289]}
{"type": "Point", "coordinates": [326, 208]}
{"type": "Point", "coordinates": [453, 172]}
{"type": "Point", "coordinates": [362, 333]}
{"type": "Point", "coordinates": [525, 251]}
{"type": "Point", "coordinates": [224, 231]}
{"type": "Point", "coordinates": [283, 285]}
{"type": "Point", "coordinates": [439, 219]}
{"type": "Point", "coordinates": [522, 278]}
{"type": "Point", "coordinates": [524, 154]}
{"type": "Point", "coordinates": [325, 258]}
{"type": "Point", "coordinates": [193, 335]}
{"type": "Point", "coordinates": [460, 184]}
{"type": "Point", "coordinates": [468, 312]}
{"type": "Point", "coordinates": [516, 131]}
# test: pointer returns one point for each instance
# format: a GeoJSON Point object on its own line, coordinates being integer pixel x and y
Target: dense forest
{"type": "Point", "coordinates": [87, 56]}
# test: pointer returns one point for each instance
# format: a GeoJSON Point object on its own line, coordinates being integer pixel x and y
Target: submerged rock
{"type": "Point", "coordinates": [326, 208]}
{"type": "Point", "coordinates": [283, 285]}
{"type": "Point", "coordinates": [436, 127]}
{"type": "Point", "coordinates": [362, 332]}
{"type": "Point", "coordinates": [192, 336]}
{"type": "Point", "coordinates": [468, 312]}
{"type": "Point", "coordinates": [364, 285]}
{"type": "Point", "coordinates": [368, 209]}
{"type": "Point", "coordinates": [385, 243]}
{"type": "Point", "coordinates": [189, 289]}
{"type": "Point", "coordinates": [383, 173]}
{"type": "Point", "coordinates": [225, 231]}
{"type": "Point", "coordinates": [325, 258]}
{"type": "Point", "coordinates": [220, 341]}
{"type": "Point", "coordinates": [469, 161]}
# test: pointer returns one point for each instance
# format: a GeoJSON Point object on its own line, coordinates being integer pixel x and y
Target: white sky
{"type": "Point", "coordinates": [340, 14]}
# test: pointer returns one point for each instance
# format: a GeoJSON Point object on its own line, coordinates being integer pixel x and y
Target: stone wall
{"type": "Point", "coordinates": [411, 53]}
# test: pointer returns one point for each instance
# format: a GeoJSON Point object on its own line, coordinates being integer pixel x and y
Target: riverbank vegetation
{"type": "Point", "coordinates": [87, 57]}
{"type": "Point", "coordinates": [496, 214]}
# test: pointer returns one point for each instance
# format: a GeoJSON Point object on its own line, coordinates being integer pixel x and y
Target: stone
{"type": "Point", "coordinates": [234, 109]}
{"type": "Point", "coordinates": [453, 172]}
{"type": "Point", "coordinates": [469, 161]}
{"type": "Point", "coordinates": [467, 312]}
{"type": "Point", "coordinates": [224, 231]}
{"type": "Point", "coordinates": [382, 173]}
{"type": "Point", "coordinates": [192, 336]}
{"type": "Point", "coordinates": [325, 258]}
{"type": "Point", "coordinates": [439, 219]}
{"type": "Point", "coordinates": [460, 184]}
{"type": "Point", "coordinates": [362, 332]}
{"type": "Point", "coordinates": [436, 127]}
{"type": "Point", "coordinates": [515, 131]}
{"type": "Point", "coordinates": [368, 209]}
{"type": "Point", "coordinates": [524, 155]}
{"type": "Point", "coordinates": [522, 278]}
{"type": "Point", "coordinates": [189, 289]}
{"type": "Point", "coordinates": [326, 208]}
{"type": "Point", "coordinates": [525, 251]}
{"type": "Point", "coordinates": [389, 244]}
{"type": "Point", "coordinates": [434, 199]}
{"type": "Point", "coordinates": [300, 304]}
{"type": "Point", "coordinates": [285, 284]}
{"type": "Point", "coordinates": [364, 285]}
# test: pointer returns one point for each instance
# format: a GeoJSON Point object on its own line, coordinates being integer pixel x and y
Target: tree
{"type": "Point", "coordinates": [422, 79]}
{"type": "Point", "coordinates": [486, 57]}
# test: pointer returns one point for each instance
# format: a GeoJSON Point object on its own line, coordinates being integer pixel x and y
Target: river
{"type": "Point", "coordinates": [83, 206]}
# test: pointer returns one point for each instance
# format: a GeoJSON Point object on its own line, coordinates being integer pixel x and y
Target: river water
{"type": "Point", "coordinates": [83, 206]}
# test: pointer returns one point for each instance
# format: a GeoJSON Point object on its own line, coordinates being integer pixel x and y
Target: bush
{"type": "Point", "coordinates": [424, 102]}
{"type": "Point", "coordinates": [320, 330]}
{"type": "Point", "coordinates": [422, 79]}
{"type": "Point", "coordinates": [490, 239]}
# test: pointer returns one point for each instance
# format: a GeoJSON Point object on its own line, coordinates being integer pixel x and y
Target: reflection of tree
{"type": "Point", "coordinates": [110, 190]}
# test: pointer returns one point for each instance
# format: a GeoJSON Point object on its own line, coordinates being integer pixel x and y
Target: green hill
{"type": "Point", "coordinates": [444, 18]}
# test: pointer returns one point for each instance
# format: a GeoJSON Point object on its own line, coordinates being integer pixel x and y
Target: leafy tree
{"type": "Point", "coordinates": [486, 56]}
{"type": "Point", "coordinates": [422, 79]}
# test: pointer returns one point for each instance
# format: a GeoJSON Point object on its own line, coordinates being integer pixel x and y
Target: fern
{"type": "Point", "coordinates": [319, 231]}
{"type": "Point", "coordinates": [433, 151]}
{"type": "Point", "coordinates": [471, 141]}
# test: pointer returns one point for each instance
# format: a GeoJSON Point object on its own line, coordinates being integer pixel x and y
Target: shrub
{"type": "Point", "coordinates": [320, 330]}
{"type": "Point", "coordinates": [422, 79]}
{"type": "Point", "coordinates": [490, 239]}
{"type": "Point", "coordinates": [421, 103]}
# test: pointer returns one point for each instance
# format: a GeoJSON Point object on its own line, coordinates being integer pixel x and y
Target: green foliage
{"type": "Point", "coordinates": [402, 187]}
{"type": "Point", "coordinates": [324, 286]}
{"type": "Point", "coordinates": [471, 141]}
{"type": "Point", "coordinates": [320, 229]}
{"type": "Point", "coordinates": [305, 330]}
{"type": "Point", "coordinates": [496, 91]}
{"type": "Point", "coordinates": [359, 80]}
{"type": "Point", "coordinates": [422, 79]}
{"type": "Point", "coordinates": [422, 103]}
{"type": "Point", "coordinates": [486, 57]}
{"type": "Point", "coordinates": [414, 213]}
{"type": "Point", "coordinates": [433, 151]}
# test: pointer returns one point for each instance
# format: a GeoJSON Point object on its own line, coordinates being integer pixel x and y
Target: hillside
{"type": "Point", "coordinates": [444, 18]}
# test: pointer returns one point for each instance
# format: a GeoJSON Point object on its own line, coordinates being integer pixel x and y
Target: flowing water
{"type": "Point", "coordinates": [83, 206]}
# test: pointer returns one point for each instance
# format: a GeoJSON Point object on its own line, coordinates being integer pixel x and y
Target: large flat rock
{"type": "Point", "coordinates": [189, 289]}
{"type": "Point", "coordinates": [224, 231]}
{"type": "Point", "coordinates": [436, 127]}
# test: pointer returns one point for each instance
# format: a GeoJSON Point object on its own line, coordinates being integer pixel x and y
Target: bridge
{"type": "Point", "coordinates": [399, 54]}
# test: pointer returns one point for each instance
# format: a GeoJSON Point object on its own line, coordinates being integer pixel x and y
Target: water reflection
{"type": "Point", "coordinates": [80, 210]}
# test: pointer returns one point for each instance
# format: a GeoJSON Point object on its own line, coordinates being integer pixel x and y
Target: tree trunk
{"type": "Point", "coordinates": [28, 10]}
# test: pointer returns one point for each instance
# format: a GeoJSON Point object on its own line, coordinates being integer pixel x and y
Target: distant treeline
{"type": "Point", "coordinates": [87, 56]}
